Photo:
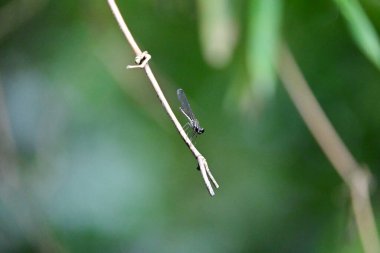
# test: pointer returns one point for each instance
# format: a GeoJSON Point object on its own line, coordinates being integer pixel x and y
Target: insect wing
{"type": "Point", "coordinates": [185, 106]}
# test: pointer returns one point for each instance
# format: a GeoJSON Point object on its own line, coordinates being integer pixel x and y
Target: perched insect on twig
{"type": "Point", "coordinates": [193, 121]}
{"type": "Point", "coordinates": [141, 61]}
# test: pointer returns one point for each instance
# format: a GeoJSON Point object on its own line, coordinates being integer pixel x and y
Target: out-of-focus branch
{"type": "Point", "coordinates": [17, 12]}
{"type": "Point", "coordinates": [142, 59]}
{"type": "Point", "coordinates": [356, 177]}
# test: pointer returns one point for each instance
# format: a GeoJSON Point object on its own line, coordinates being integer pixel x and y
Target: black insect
{"type": "Point", "coordinates": [186, 110]}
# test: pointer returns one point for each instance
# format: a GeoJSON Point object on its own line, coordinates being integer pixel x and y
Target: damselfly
{"type": "Point", "coordinates": [186, 110]}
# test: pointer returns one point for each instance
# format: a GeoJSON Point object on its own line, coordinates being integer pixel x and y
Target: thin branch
{"type": "Point", "coordinates": [142, 59]}
{"type": "Point", "coordinates": [356, 177]}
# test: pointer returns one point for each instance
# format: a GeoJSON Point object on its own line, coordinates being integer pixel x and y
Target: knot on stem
{"type": "Point", "coordinates": [141, 61]}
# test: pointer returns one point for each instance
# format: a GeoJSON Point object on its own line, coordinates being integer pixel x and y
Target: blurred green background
{"type": "Point", "coordinates": [90, 162]}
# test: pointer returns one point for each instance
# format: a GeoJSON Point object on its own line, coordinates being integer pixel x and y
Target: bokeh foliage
{"type": "Point", "coordinates": [91, 162]}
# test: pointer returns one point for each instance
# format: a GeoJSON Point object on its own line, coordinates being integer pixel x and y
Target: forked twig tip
{"type": "Point", "coordinates": [206, 174]}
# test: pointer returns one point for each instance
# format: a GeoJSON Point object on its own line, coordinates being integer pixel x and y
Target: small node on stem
{"type": "Point", "coordinates": [141, 61]}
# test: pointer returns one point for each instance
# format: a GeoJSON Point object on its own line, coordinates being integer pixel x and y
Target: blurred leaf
{"type": "Point", "coordinates": [218, 31]}
{"type": "Point", "coordinates": [361, 29]}
{"type": "Point", "coordinates": [237, 96]}
{"type": "Point", "coordinates": [263, 36]}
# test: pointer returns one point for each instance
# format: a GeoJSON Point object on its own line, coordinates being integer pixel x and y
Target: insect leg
{"type": "Point", "coordinates": [194, 139]}
{"type": "Point", "coordinates": [192, 136]}
{"type": "Point", "coordinates": [186, 126]}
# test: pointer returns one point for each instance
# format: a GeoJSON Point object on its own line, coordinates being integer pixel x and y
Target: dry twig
{"type": "Point", "coordinates": [141, 60]}
{"type": "Point", "coordinates": [356, 177]}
